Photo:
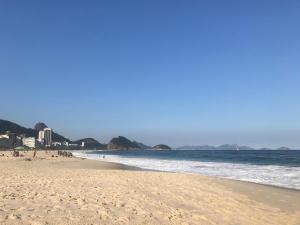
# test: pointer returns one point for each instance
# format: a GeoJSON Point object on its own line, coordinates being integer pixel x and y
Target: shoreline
{"type": "Point", "coordinates": [59, 190]}
{"type": "Point", "coordinates": [217, 177]}
{"type": "Point", "coordinates": [232, 183]}
{"type": "Point", "coordinates": [122, 166]}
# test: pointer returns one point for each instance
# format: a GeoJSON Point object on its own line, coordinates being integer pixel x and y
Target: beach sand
{"type": "Point", "coordinates": [58, 190]}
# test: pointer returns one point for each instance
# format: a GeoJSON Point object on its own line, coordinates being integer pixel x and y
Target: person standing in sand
{"type": "Point", "coordinates": [34, 153]}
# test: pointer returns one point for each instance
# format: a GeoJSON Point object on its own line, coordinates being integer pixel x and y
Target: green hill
{"type": "Point", "coordinates": [161, 147]}
{"type": "Point", "coordinates": [6, 125]}
{"type": "Point", "coordinates": [121, 143]}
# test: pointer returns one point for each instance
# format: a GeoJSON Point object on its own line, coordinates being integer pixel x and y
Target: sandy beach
{"type": "Point", "coordinates": [53, 189]}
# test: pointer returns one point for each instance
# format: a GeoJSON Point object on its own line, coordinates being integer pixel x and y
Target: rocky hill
{"type": "Point", "coordinates": [161, 147]}
{"type": "Point", "coordinates": [121, 143]}
{"type": "Point", "coordinates": [283, 148]}
{"type": "Point", "coordinates": [40, 126]}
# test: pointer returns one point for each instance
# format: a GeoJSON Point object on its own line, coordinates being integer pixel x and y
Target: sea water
{"type": "Point", "coordinates": [279, 168]}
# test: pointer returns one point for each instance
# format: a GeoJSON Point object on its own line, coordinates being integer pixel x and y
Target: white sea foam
{"type": "Point", "coordinates": [282, 176]}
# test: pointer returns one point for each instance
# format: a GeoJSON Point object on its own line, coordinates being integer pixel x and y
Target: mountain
{"type": "Point", "coordinates": [201, 147]}
{"type": "Point", "coordinates": [90, 143]}
{"type": "Point", "coordinates": [121, 143]}
{"type": "Point", "coordinates": [6, 125]}
{"type": "Point", "coordinates": [233, 147]}
{"type": "Point", "coordinates": [40, 126]}
{"type": "Point", "coordinates": [283, 148]}
{"type": "Point", "coordinates": [245, 148]}
{"type": "Point", "coordinates": [227, 147]}
{"type": "Point", "coordinates": [141, 145]}
{"type": "Point", "coordinates": [161, 147]}
{"type": "Point", "coordinates": [209, 147]}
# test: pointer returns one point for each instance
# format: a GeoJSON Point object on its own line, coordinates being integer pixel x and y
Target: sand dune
{"type": "Point", "coordinates": [57, 190]}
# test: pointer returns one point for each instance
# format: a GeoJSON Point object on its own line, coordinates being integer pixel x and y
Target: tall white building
{"type": "Point", "coordinates": [41, 136]}
{"type": "Point", "coordinates": [48, 137]}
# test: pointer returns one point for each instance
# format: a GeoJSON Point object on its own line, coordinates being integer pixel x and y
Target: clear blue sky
{"type": "Point", "coordinates": [174, 72]}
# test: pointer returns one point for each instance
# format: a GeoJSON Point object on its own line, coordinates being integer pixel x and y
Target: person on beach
{"type": "Point", "coordinates": [34, 153]}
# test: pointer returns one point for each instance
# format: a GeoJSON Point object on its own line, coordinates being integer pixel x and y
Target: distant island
{"type": "Point", "coordinates": [121, 143]}
{"type": "Point", "coordinates": [161, 147]}
{"type": "Point", "coordinates": [224, 147]}
{"type": "Point", "coordinates": [12, 135]}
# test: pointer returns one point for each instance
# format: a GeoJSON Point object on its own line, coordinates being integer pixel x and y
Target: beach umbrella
{"type": "Point", "coordinates": [20, 148]}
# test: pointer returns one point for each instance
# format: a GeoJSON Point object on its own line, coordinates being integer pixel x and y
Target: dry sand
{"type": "Point", "coordinates": [57, 190]}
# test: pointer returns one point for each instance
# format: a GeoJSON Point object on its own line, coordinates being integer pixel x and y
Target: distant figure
{"type": "Point", "coordinates": [16, 153]}
{"type": "Point", "coordinates": [103, 157]}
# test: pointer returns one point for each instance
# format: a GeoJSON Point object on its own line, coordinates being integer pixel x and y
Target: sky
{"type": "Point", "coordinates": [175, 72]}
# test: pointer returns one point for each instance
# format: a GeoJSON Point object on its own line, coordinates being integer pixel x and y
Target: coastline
{"type": "Point", "coordinates": [240, 186]}
{"type": "Point", "coordinates": [112, 193]}
{"type": "Point", "coordinates": [188, 173]}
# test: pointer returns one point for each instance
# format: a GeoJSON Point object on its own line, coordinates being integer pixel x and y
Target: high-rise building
{"type": "Point", "coordinates": [41, 137]}
{"type": "Point", "coordinates": [48, 137]}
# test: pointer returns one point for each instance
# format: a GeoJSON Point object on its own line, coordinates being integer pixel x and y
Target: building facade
{"type": "Point", "coordinates": [13, 139]}
{"type": "Point", "coordinates": [5, 142]}
{"type": "Point", "coordinates": [48, 137]}
{"type": "Point", "coordinates": [10, 140]}
{"type": "Point", "coordinates": [41, 136]}
{"type": "Point", "coordinates": [29, 142]}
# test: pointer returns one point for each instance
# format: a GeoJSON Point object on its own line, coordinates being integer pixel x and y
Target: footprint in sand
{"type": "Point", "coordinates": [123, 220]}
{"type": "Point", "coordinates": [21, 208]}
{"type": "Point", "coordinates": [74, 218]}
{"type": "Point", "coordinates": [15, 216]}
{"type": "Point", "coordinates": [35, 223]}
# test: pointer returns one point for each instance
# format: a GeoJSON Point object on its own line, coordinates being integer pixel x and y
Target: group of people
{"type": "Point", "coordinates": [64, 153]}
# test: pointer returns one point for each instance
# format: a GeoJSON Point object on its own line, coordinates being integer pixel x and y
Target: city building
{"type": "Point", "coordinates": [13, 139]}
{"type": "Point", "coordinates": [5, 142]}
{"type": "Point", "coordinates": [29, 142]}
{"type": "Point", "coordinates": [47, 137]}
{"type": "Point", "coordinates": [10, 140]}
{"type": "Point", "coordinates": [56, 144]}
{"type": "Point", "coordinates": [39, 143]}
{"type": "Point", "coordinates": [73, 146]}
{"type": "Point", "coordinates": [41, 137]}
{"type": "Point", "coordinates": [65, 143]}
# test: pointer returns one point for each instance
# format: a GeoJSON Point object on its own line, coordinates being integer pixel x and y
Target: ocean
{"type": "Point", "coordinates": [279, 168]}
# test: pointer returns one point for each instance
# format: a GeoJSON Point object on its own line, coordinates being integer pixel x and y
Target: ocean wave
{"type": "Point", "coordinates": [283, 176]}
